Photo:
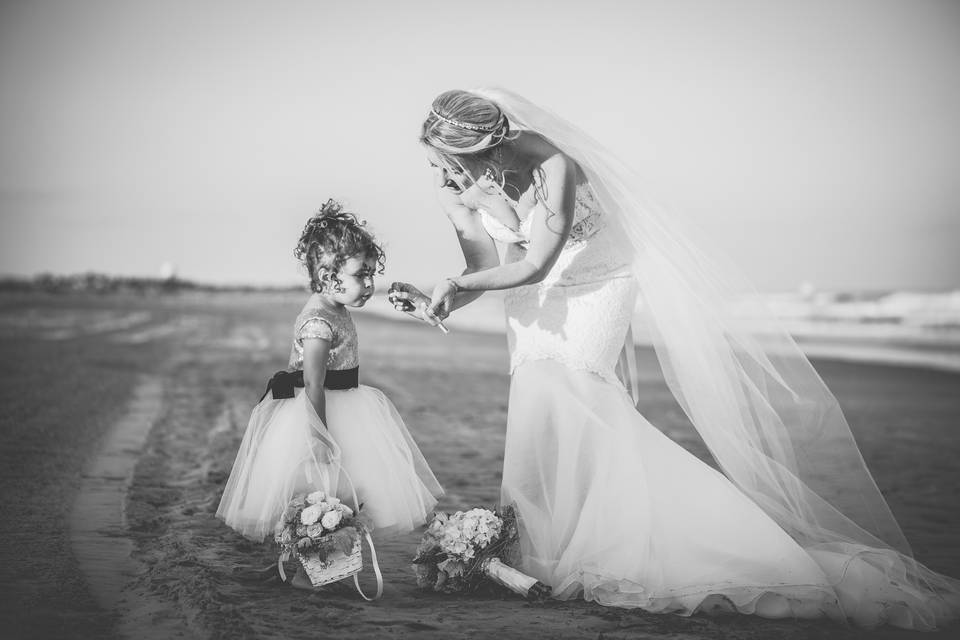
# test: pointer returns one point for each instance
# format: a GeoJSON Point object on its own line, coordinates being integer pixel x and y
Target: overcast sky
{"type": "Point", "coordinates": [816, 140]}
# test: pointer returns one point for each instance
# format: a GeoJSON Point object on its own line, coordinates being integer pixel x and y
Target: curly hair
{"type": "Point", "coordinates": [330, 237]}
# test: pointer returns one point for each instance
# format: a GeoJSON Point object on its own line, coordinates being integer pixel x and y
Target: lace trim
{"type": "Point", "coordinates": [588, 217]}
{"type": "Point", "coordinates": [587, 221]}
{"type": "Point", "coordinates": [570, 363]}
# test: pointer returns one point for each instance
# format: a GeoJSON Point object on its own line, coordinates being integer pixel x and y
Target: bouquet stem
{"type": "Point", "coordinates": [518, 582]}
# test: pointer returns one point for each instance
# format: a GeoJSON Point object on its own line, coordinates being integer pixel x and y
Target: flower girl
{"type": "Point", "coordinates": [316, 428]}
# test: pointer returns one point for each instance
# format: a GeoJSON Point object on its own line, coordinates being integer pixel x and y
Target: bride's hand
{"type": "Point", "coordinates": [407, 298]}
{"type": "Point", "coordinates": [441, 301]}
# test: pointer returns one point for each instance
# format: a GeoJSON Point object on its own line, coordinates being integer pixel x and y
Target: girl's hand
{"type": "Point", "coordinates": [407, 298]}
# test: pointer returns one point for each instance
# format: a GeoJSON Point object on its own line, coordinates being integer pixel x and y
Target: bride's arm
{"type": "Point", "coordinates": [548, 234]}
{"type": "Point", "coordinates": [479, 252]}
{"type": "Point", "coordinates": [478, 248]}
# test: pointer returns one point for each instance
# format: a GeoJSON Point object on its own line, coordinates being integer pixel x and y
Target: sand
{"type": "Point", "coordinates": [82, 375]}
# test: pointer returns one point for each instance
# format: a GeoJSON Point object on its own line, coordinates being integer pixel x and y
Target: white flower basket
{"type": "Point", "coordinates": [336, 566]}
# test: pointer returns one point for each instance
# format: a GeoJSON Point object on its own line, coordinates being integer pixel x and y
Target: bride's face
{"type": "Point", "coordinates": [446, 173]}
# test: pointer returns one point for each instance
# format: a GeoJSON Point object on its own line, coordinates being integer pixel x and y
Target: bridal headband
{"type": "Point", "coordinates": [467, 125]}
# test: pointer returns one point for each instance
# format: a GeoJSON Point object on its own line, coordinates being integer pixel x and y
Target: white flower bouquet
{"type": "Point", "coordinates": [323, 534]}
{"type": "Point", "coordinates": [457, 552]}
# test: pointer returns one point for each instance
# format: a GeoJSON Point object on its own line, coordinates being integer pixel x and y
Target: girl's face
{"type": "Point", "coordinates": [356, 281]}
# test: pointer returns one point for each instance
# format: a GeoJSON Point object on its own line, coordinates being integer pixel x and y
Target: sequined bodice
{"type": "Point", "coordinates": [336, 326]}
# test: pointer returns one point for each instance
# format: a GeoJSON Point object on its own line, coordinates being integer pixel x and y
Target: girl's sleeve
{"type": "Point", "coordinates": [315, 327]}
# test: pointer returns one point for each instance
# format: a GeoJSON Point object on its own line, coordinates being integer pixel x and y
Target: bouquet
{"type": "Point", "coordinates": [457, 552]}
{"type": "Point", "coordinates": [323, 534]}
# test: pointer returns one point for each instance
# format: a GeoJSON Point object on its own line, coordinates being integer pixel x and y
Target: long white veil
{"type": "Point", "coordinates": [767, 417]}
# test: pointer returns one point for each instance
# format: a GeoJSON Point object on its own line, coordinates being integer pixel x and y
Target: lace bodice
{"type": "Point", "coordinates": [587, 220]}
{"type": "Point", "coordinates": [319, 321]}
{"type": "Point", "coordinates": [578, 315]}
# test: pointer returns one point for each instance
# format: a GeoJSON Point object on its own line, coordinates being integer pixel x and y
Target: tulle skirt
{"type": "Point", "coordinates": [615, 511]}
{"type": "Point", "coordinates": [287, 450]}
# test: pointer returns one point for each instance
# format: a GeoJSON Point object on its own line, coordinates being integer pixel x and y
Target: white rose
{"type": "Point", "coordinates": [315, 497]}
{"type": "Point", "coordinates": [315, 530]}
{"type": "Point", "coordinates": [310, 515]}
{"type": "Point", "coordinates": [331, 519]}
{"type": "Point", "coordinates": [332, 501]}
{"type": "Point", "coordinates": [344, 509]}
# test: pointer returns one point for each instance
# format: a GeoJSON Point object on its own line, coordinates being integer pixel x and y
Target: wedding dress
{"type": "Point", "coordinates": [611, 509]}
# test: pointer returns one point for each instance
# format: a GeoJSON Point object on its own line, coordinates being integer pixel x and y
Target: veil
{"type": "Point", "coordinates": [765, 414]}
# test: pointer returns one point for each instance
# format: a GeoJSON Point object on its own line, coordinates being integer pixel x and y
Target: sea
{"type": "Point", "coordinates": [902, 328]}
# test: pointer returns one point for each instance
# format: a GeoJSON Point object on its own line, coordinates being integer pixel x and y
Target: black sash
{"type": "Point", "coordinates": [283, 383]}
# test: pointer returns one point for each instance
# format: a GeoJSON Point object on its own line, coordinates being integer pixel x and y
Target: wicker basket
{"type": "Point", "coordinates": [336, 566]}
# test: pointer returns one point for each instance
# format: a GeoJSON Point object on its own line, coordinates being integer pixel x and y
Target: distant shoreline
{"type": "Point", "coordinates": [102, 283]}
{"type": "Point", "coordinates": [820, 338]}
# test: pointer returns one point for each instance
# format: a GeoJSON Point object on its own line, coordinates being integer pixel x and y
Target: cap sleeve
{"type": "Point", "coordinates": [315, 327]}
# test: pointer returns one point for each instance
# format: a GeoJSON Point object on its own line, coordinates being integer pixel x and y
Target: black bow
{"type": "Point", "coordinates": [283, 383]}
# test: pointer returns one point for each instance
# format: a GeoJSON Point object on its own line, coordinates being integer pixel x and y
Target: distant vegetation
{"type": "Point", "coordinates": [101, 283]}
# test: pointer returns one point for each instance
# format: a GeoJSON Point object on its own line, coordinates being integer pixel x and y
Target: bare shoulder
{"type": "Point", "coordinates": [557, 173]}
{"type": "Point", "coordinates": [551, 161]}
{"type": "Point", "coordinates": [559, 164]}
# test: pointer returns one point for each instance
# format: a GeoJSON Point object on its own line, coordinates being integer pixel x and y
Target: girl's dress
{"type": "Point", "coordinates": [288, 450]}
{"type": "Point", "coordinates": [613, 510]}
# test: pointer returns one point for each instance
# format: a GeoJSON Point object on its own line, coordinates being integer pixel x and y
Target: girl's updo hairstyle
{"type": "Point", "coordinates": [461, 123]}
{"type": "Point", "coordinates": [330, 237]}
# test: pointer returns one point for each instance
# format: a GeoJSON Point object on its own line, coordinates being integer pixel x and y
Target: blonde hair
{"type": "Point", "coordinates": [461, 123]}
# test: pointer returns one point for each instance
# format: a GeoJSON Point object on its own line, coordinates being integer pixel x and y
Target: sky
{"type": "Point", "coordinates": [814, 141]}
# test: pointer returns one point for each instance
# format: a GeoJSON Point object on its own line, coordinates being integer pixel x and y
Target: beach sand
{"type": "Point", "coordinates": [121, 416]}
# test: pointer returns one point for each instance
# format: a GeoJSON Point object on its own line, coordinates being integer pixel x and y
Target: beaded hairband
{"type": "Point", "coordinates": [466, 125]}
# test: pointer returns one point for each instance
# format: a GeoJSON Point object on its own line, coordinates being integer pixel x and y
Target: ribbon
{"type": "Point", "coordinates": [376, 570]}
{"type": "Point", "coordinates": [373, 550]}
{"type": "Point", "coordinates": [283, 383]}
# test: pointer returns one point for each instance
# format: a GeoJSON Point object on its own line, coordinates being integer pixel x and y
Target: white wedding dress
{"type": "Point", "coordinates": [613, 510]}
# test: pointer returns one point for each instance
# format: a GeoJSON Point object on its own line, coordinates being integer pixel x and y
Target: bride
{"type": "Point", "coordinates": [610, 508]}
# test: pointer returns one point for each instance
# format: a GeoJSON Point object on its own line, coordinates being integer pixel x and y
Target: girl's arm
{"type": "Point", "coordinates": [548, 234]}
{"type": "Point", "coordinates": [315, 353]}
